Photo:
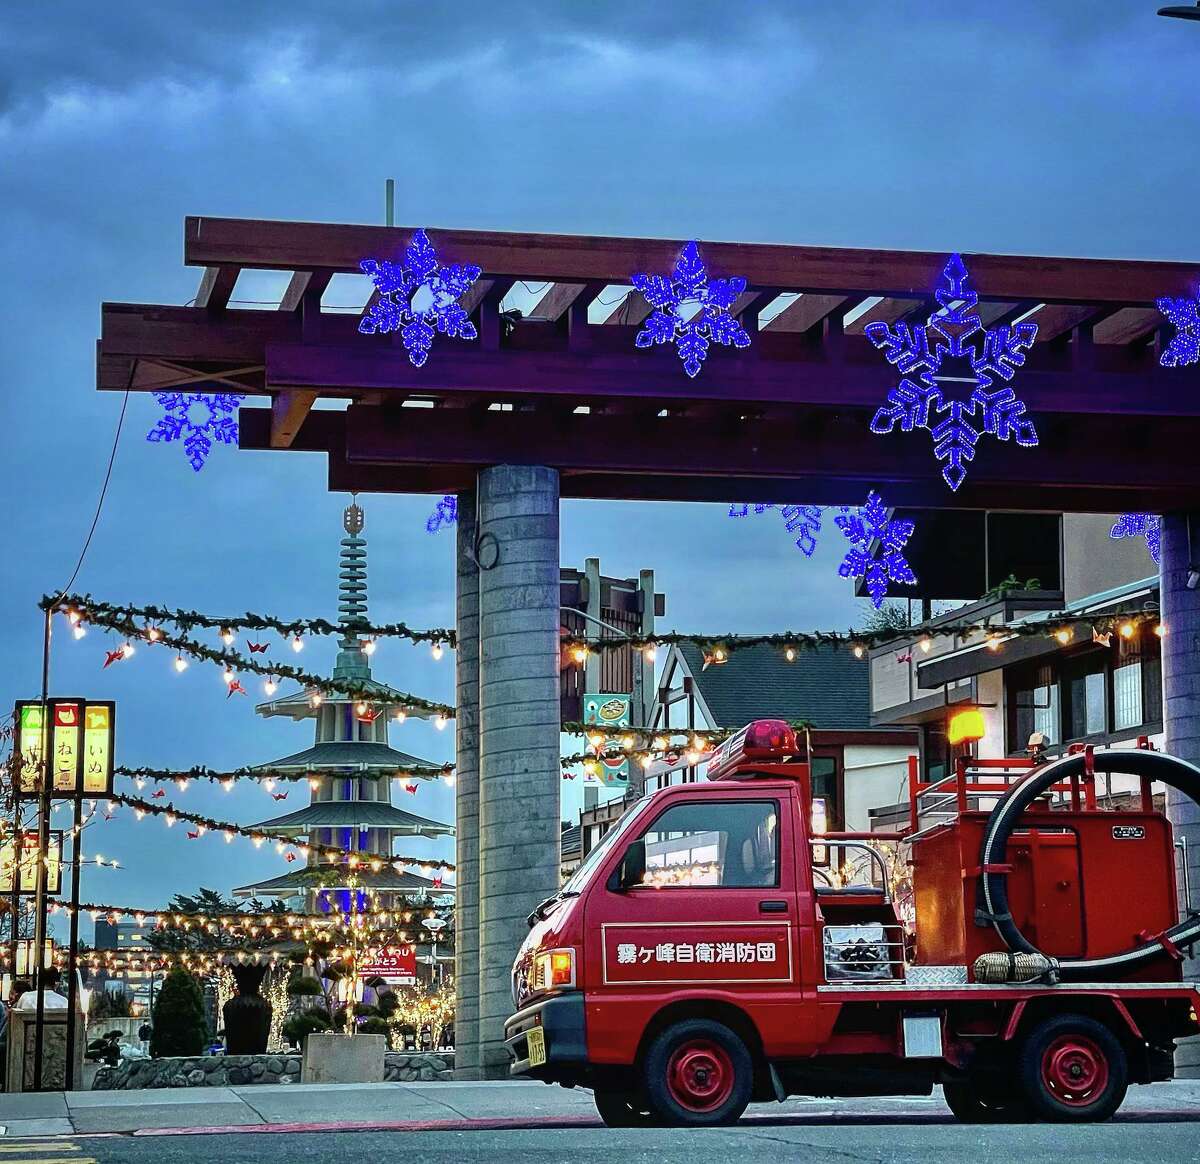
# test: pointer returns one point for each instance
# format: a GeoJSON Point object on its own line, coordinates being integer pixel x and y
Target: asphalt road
{"type": "Point", "coordinates": [874, 1141]}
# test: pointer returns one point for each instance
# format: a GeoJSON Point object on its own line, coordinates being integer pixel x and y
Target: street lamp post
{"type": "Point", "coordinates": [435, 925]}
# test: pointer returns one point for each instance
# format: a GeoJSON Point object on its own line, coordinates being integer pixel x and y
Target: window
{"type": "Point", "coordinates": [728, 843]}
{"type": "Point", "coordinates": [823, 773]}
{"type": "Point", "coordinates": [1034, 696]}
{"type": "Point", "coordinates": [1086, 695]}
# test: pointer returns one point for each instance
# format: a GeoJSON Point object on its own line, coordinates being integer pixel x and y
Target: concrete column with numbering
{"type": "Point", "coordinates": [1180, 608]}
{"type": "Point", "coordinates": [466, 800]}
{"type": "Point", "coordinates": [518, 554]}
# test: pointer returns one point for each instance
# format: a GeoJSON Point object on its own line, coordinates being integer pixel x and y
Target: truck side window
{"type": "Point", "coordinates": [726, 843]}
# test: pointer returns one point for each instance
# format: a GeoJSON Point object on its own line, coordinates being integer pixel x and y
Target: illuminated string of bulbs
{"type": "Point", "coordinates": [353, 860]}
{"type": "Point", "coordinates": [266, 776]}
{"type": "Point", "coordinates": [187, 620]}
{"type": "Point", "coordinates": [716, 649]}
{"type": "Point", "coordinates": [233, 663]}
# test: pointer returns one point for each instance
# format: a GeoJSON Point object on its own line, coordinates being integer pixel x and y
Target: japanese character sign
{"type": "Point", "coordinates": [697, 952]}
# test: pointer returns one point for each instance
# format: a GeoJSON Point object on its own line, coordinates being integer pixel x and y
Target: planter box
{"type": "Point", "coordinates": [334, 1058]}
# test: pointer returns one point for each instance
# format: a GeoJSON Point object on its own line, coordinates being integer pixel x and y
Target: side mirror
{"type": "Point", "coordinates": [632, 870]}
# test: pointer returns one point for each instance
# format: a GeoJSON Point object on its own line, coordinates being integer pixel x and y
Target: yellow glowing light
{"type": "Point", "coordinates": [440, 722]}
{"type": "Point", "coordinates": [965, 726]}
{"type": "Point", "coordinates": [437, 651]}
{"type": "Point", "coordinates": [790, 654]}
{"type": "Point", "coordinates": [858, 651]}
{"type": "Point", "coordinates": [1160, 630]}
{"type": "Point", "coordinates": [1127, 629]}
{"type": "Point", "coordinates": [297, 643]}
{"type": "Point", "coordinates": [368, 647]}
{"type": "Point", "coordinates": [180, 663]}
{"type": "Point", "coordinates": [79, 630]}
{"type": "Point", "coordinates": [926, 645]}
{"type": "Point", "coordinates": [579, 654]}
{"type": "Point", "coordinates": [1063, 634]}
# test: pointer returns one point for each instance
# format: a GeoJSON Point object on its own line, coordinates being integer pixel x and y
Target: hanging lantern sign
{"type": "Point", "coordinates": [79, 733]}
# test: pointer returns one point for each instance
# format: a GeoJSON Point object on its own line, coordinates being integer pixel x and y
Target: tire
{"type": "Point", "coordinates": [973, 1102]}
{"type": "Point", "coordinates": [619, 1109]}
{"type": "Point", "coordinates": [1072, 1069]}
{"type": "Point", "coordinates": [698, 1073]}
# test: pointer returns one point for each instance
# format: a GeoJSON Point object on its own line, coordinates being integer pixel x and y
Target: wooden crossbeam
{"type": "Point", "coordinates": [289, 410]}
{"type": "Point", "coordinates": [1127, 326]}
{"type": "Point", "coordinates": [216, 286]}
{"type": "Point", "coordinates": [805, 312]}
{"type": "Point", "coordinates": [301, 283]}
{"type": "Point", "coordinates": [1054, 319]}
{"type": "Point", "coordinates": [556, 300]}
{"type": "Point", "coordinates": [218, 242]}
{"type": "Point", "coordinates": [887, 310]}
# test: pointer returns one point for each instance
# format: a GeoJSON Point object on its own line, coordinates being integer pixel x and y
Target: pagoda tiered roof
{"type": "Point", "coordinates": [386, 880]}
{"type": "Point", "coordinates": [355, 814]}
{"type": "Point", "coordinates": [348, 756]}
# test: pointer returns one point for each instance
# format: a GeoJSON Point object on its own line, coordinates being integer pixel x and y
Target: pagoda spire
{"type": "Point", "coordinates": [352, 662]}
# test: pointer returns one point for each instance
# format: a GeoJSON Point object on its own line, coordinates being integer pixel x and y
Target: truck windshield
{"type": "Point", "coordinates": [578, 880]}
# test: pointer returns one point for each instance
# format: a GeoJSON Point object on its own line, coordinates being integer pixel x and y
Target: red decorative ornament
{"type": "Point", "coordinates": [410, 788]}
{"type": "Point", "coordinates": [111, 657]}
{"type": "Point", "coordinates": [279, 796]}
{"type": "Point", "coordinates": [193, 836]}
{"type": "Point", "coordinates": [158, 794]}
{"type": "Point", "coordinates": [290, 858]}
{"type": "Point", "coordinates": [257, 648]}
{"type": "Point", "coordinates": [236, 685]}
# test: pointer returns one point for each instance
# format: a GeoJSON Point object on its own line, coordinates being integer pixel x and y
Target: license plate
{"type": "Point", "coordinates": [536, 1040]}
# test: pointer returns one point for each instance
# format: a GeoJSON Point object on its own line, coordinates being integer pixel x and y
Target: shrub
{"type": "Point", "coordinates": [373, 1026]}
{"type": "Point", "coordinates": [307, 987]}
{"type": "Point", "coordinates": [179, 1026]}
{"type": "Point", "coordinates": [300, 1026]}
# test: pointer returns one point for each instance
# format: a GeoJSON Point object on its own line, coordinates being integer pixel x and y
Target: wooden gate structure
{"type": "Point", "coordinates": [558, 401]}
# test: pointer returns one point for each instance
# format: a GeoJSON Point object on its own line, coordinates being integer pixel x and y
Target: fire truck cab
{"type": "Point", "coordinates": [714, 950]}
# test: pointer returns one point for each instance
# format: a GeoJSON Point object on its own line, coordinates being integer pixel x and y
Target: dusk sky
{"type": "Point", "coordinates": [1029, 127]}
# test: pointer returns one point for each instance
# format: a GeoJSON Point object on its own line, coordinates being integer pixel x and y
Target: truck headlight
{"type": "Point", "coordinates": [554, 970]}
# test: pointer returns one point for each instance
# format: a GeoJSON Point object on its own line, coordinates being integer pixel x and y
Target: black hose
{"type": "Point", "coordinates": [1005, 817]}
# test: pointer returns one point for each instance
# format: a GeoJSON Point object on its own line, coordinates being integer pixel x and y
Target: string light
{"type": "Point", "coordinates": [1127, 630]}
{"type": "Point", "coordinates": [153, 634]}
{"type": "Point", "coordinates": [439, 722]}
{"type": "Point", "coordinates": [651, 653]}
{"type": "Point", "coordinates": [1160, 630]}
{"type": "Point", "coordinates": [180, 663]}
{"type": "Point", "coordinates": [926, 644]}
{"type": "Point", "coordinates": [858, 650]}
{"type": "Point", "coordinates": [227, 636]}
{"type": "Point", "coordinates": [436, 650]}
{"type": "Point", "coordinates": [1063, 634]}
{"type": "Point", "coordinates": [368, 647]}
{"type": "Point", "coordinates": [80, 630]}
{"type": "Point", "coordinates": [270, 685]}
{"type": "Point", "coordinates": [297, 643]}
{"type": "Point", "coordinates": [127, 650]}
{"type": "Point", "coordinates": [790, 654]}
{"type": "Point", "coordinates": [73, 616]}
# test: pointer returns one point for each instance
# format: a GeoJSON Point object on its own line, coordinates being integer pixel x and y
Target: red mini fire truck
{"type": "Point", "coordinates": [714, 950]}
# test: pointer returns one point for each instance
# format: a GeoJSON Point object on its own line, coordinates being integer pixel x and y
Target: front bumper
{"type": "Point", "coordinates": [561, 1017]}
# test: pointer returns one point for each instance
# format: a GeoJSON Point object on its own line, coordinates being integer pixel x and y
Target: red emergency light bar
{"type": "Point", "coordinates": [764, 739]}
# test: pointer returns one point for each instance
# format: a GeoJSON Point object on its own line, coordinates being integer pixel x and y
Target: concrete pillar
{"type": "Point", "coordinates": [466, 800]}
{"type": "Point", "coordinates": [519, 774]}
{"type": "Point", "coordinates": [1181, 714]}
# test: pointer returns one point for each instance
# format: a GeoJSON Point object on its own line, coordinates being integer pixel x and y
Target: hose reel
{"type": "Point", "coordinates": [1005, 816]}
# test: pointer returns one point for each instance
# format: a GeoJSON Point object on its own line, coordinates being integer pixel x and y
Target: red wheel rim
{"type": "Point", "coordinates": [1075, 1070]}
{"type": "Point", "coordinates": [700, 1075]}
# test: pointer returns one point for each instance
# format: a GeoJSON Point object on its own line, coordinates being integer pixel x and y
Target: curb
{"type": "Point", "coordinates": [460, 1125]}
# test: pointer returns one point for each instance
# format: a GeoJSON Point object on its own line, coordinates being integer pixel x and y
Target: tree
{"type": "Point", "coordinates": [199, 938]}
{"type": "Point", "coordinates": [891, 616]}
{"type": "Point", "coordinates": [179, 1027]}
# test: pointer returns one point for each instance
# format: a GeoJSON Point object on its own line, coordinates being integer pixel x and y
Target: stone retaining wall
{"type": "Point", "coordinates": [240, 1070]}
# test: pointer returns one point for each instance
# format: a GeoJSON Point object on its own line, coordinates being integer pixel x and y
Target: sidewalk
{"type": "Point", "coordinates": [453, 1106]}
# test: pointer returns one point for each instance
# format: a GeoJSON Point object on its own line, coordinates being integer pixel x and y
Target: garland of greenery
{"type": "Point", "coordinates": [163, 916]}
{"type": "Point", "coordinates": [717, 647]}
{"type": "Point", "coordinates": [91, 609]}
{"type": "Point", "coordinates": [234, 661]}
{"type": "Point", "coordinates": [164, 775]}
{"type": "Point", "coordinates": [347, 857]}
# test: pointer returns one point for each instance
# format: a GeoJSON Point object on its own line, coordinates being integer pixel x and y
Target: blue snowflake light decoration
{"type": "Point", "coordinates": [804, 520]}
{"type": "Point", "coordinates": [876, 551]}
{"type": "Point", "coordinates": [419, 298]}
{"type": "Point", "coordinates": [198, 419]}
{"type": "Point", "coordinates": [1184, 347]}
{"type": "Point", "coordinates": [1141, 525]}
{"type": "Point", "coordinates": [955, 331]}
{"type": "Point", "coordinates": [446, 513]}
{"type": "Point", "coordinates": [689, 286]}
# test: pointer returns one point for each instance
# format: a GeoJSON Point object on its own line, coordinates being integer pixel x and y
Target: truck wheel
{"type": "Point", "coordinates": [698, 1073]}
{"type": "Point", "coordinates": [1073, 1069]}
{"type": "Point", "coordinates": [973, 1102]}
{"type": "Point", "coordinates": [619, 1109]}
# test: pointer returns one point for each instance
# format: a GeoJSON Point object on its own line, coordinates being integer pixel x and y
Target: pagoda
{"type": "Point", "coordinates": [350, 769]}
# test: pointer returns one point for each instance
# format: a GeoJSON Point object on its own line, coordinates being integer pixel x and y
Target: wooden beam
{"type": "Point", "coordinates": [684, 458]}
{"type": "Point", "coordinates": [556, 300]}
{"type": "Point", "coordinates": [1127, 326]}
{"type": "Point", "coordinates": [216, 286]}
{"type": "Point", "coordinates": [886, 310]}
{"type": "Point", "coordinates": [289, 410]}
{"type": "Point", "coordinates": [805, 312]}
{"type": "Point", "coordinates": [214, 242]}
{"type": "Point", "coordinates": [303, 282]}
{"type": "Point", "coordinates": [630, 311]}
{"type": "Point", "coordinates": [1053, 319]}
